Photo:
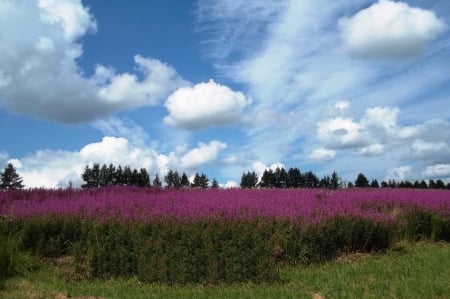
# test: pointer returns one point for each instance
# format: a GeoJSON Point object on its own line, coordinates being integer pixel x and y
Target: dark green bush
{"type": "Point", "coordinates": [210, 250]}
{"type": "Point", "coordinates": [13, 260]}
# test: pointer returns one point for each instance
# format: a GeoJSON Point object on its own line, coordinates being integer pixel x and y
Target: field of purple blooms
{"type": "Point", "coordinates": [216, 235]}
{"type": "Point", "coordinates": [145, 204]}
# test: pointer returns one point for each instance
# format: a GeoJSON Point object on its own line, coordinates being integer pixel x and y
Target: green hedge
{"type": "Point", "coordinates": [212, 250]}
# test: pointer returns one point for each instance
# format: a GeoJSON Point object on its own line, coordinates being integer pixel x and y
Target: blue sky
{"type": "Point", "coordinates": [225, 86]}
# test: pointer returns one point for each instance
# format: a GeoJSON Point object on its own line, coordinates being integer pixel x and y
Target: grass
{"type": "Point", "coordinates": [409, 270]}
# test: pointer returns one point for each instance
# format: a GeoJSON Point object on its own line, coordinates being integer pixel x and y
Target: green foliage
{"type": "Point", "coordinates": [208, 250]}
{"type": "Point", "coordinates": [13, 260]}
{"type": "Point", "coordinates": [249, 180]}
{"type": "Point", "coordinates": [10, 179]}
{"type": "Point", "coordinates": [423, 225]}
{"type": "Point", "coordinates": [361, 181]}
{"type": "Point", "coordinates": [102, 176]}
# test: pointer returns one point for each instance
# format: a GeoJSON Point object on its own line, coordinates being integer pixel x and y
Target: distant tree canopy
{"type": "Point", "coordinates": [200, 181]}
{"type": "Point", "coordinates": [249, 180]}
{"type": "Point", "coordinates": [97, 175]}
{"type": "Point", "coordinates": [10, 179]}
{"type": "Point", "coordinates": [293, 178]}
{"type": "Point", "coordinates": [102, 176]}
{"type": "Point", "coordinates": [361, 181]}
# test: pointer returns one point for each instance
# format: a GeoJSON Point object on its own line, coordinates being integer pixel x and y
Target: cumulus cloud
{"type": "Point", "coordinates": [205, 105]}
{"type": "Point", "coordinates": [260, 167]}
{"type": "Point", "coordinates": [322, 155]}
{"type": "Point", "coordinates": [372, 150]}
{"type": "Point", "coordinates": [389, 29]}
{"type": "Point", "coordinates": [422, 150]}
{"type": "Point", "coordinates": [55, 168]}
{"type": "Point", "coordinates": [230, 184]}
{"type": "Point", "coordinates": [202, 154]}
{"type": "Point", "coordinates": [39, 74]}
{"type": "Point", "coordinates": [401, 173]}
{"type": "Point", "coordinates": [340, 132]}
{"type": "Point", "coordinates": [441, 171]}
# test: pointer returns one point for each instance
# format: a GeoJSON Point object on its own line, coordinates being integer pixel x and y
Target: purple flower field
{"type": "Point", "coordinates": [144, 204]}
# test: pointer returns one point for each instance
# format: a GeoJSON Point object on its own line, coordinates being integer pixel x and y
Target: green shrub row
{"type": "Point", "coordinates": [212, 250]}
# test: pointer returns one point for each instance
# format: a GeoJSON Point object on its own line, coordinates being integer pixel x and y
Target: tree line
{"type": "Point", "coordinates": [106, 175]}
{"type": "Point", "coordinates": [102, 176]}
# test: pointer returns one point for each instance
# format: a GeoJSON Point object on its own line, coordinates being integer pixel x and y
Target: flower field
{"type": "Point", "coordinates": [214, 235]}
{"type": "Point", "coordinates": [145, 204]}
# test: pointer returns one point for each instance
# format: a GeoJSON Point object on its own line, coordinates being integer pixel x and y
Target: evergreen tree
{"type": "Point", "coordinates": [295, 179]}
{"type": "Point", "coordinates": [361, 181]}
{"type": "Point", "coordinates": [86, 176]}
{"type": "Point", "coordinates": [325, 182]}
{"type": "Point", "coordinates": [280, 178]}
{"type": "Point", "coordinates": [440, 184]}
{"type": "Point", "coordinates": [91, 176]}
{"type": "Point", "coordinates": [172, 179]}
{"type": "Point", "coordinates": [267, 179]}
{"type": "Point", "coordinates": [215, 184]}
{"type": "Point", "coordinates": [374, 184]}
{"type": "Point", "coordinates": [157, 182]}
{"type": "Point", "coordinates": [335, 181]}
{"type": "Point", "coordinates": [392, 183]}
{"type": "Point", "coordinates": [10, 179]}
{"type": "Point", "coordinates": [103, 176]}
{"type": "Point", "coordinates": [423, 184]}
{"type": "Point", "coordinates": [431, 184]}
{"type": "Point", "coordinates": [384, 184]}
{"type": "Point", "coordinates": [249, 180]}
{"type": "Point", "coordinates": [184, 181]}
{"type": "Point", "coordinates": [204, 181]}
{"type": "Point", "coordinates": [143, 178]}
{"type": "Point", "coordinates": [310, 180]}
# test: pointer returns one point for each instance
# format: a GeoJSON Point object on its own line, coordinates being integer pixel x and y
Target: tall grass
{"type": "Point", "coordinates": [411, 270]}
{"type": "Point", "coordinates": [13, 260]}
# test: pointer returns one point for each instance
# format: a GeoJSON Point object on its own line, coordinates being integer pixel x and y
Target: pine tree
{"type": "Point", "coordinates": [204, 181]}
{"type": "Point", "coordinates": [249, 180]}
{"type": "Point", "coordinates": [215, 184]}
{"type": "Point", "coordinates": [361, 181]}
{"type": "Point", "coordinates": [267, 179]}
{"type": "Point", "coordinates": [143, 178]}
{"type": "Point", "coordinates": [157, 182]}
{"type": "Point", "coordinates": [295, 179]}
{"type": "Point", "coordinates": [10, 179]}
{"type": "Point", "coordinates": [374, 184]}
{"type": "Point", "coordinates": [335, 181]}
{"type": "Point", "coordinates": [184, 181]}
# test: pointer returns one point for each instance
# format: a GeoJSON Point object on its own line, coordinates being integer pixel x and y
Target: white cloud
{"type": "Point", "coordinates": [429, 150]}
{"type": "Point", "coordinates": [204, 105]}
{"type": "Point", "coordinates": [389, 29]}
{"type": "Point", "coordinates": [322, 155]}
{"type": "Point", "coordinates": [230, 184]}
{"type": "Point", "coordinates": [401, 173]}
{"type": "Point", "coordinates": [384, 117]}
{"type": "Point", "coordinates": [159, 79]}
{"type": "Point", "coordinates": [204, 153]}
{"type": "Point", "coordinates": [260, 167]}
{"type": "Point", "coordinates": [70, 14]}
{"type": "Point", "coordinates": [342, 106]}
{"type": "Point", "coordinates": [39, 74]}
{"type": "Point", "coordinates": [340, 132]}
{"type": "Point", "coordinates": [441, 171]}
{"type": "Point", "coordinates": [375, 149]}
{"type": "Point", "coordinates": [55, 168]}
